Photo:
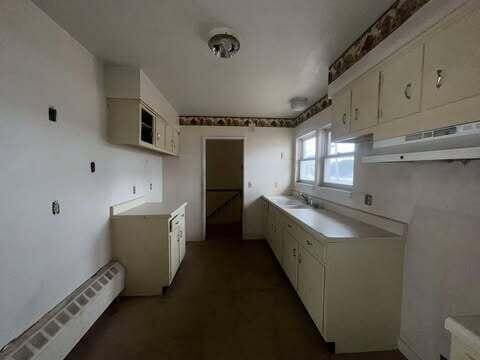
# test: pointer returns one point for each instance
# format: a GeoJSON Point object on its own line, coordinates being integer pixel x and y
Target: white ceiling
{"type": "Point", "coordinates": [286, 46]}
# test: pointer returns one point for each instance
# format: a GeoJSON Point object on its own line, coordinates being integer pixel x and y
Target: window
{"type": "Point", "coordinates": [307, 158]}
{"type": "Point", "coordinates": [338, 162]}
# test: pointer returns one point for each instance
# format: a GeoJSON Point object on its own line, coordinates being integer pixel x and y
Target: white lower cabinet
{"type": "Point", "coordinates": [351, 288]}
{"type": "Point", "coordinates": [150, 242]}
{"type": "Point", "coordinates": [465, 337]}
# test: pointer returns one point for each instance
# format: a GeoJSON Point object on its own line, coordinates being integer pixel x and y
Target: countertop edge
{"type": "Point", "coordinates": [460, 331]}
{"type": "Point", "coordinates": [333, 240]}
{"type": "Point", "coordinates": [165, 215]}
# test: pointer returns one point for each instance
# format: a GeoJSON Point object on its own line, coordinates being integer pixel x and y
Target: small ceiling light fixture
{"type": "Point", "coordinates": [298, 103]}
{"type": "Point", "coordinates": [223, 43]}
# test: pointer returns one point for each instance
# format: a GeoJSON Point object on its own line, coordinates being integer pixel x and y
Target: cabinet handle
{"type": "Point", "coordinates": [407, 91]}
{"type": "Point", "coordinates": [294, 252]}
{"type": "Point", "coordinates": [309, 243]}
{"type": "Point", "coordinates": [344, 119]}
{"type": "Point", "coordinates": [356, 113]}
{"type": "Point", "coordinates": [439, 78]}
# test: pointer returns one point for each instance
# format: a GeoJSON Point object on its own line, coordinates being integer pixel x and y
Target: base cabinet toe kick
{"type": "Point", "coordinates": [351, 287]}
{"type": "Point", "coordinates": [150, 242]}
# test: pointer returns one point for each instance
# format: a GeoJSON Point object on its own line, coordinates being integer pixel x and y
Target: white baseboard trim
{"type": "Point", "coordinates": [407, 351]}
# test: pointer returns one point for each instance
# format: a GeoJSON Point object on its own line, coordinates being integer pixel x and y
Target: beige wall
{"type": "Point", "coordinates": [440, 202]}
{"type": "Point", "coordinates": [224, 165]}
{"type": "Point", "coordinates": [267, 165]}
{"type": "Point", "coordinates": [43, 258]}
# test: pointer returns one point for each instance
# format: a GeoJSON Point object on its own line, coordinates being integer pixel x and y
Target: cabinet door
{"type": "Point", "coordinates": [277, 238]}
{"type": "Point", "coordinates": [160, 133]}
{"type": "Point", "coordinates": [265, 218]}
{"type": "Point", "coordinates": [290, 261]}
{"type": "Point", "coordinates": [452, 63]}
{"type": "Point", "coordinates": [176, 141]}
{"type": "Point", "coordinates": [182, 238]}
{"type": "Point", "coordinates": [401, 85]}
{"type": "Point", "coordinates": [311, 281]}
{"type": "Point", "coordinates": [174, 250]}
{"type": "Point", "coordinates": [365, 101]}
{"type": "Point", "coordinates": [169, 138]}
{"type": "Point", "coordinates": [342, 110]}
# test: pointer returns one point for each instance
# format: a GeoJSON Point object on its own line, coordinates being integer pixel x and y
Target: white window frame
{"type": "Point", "coordinates": [299, 142]}
{"type": "Point", "coordinates": [324, 156]}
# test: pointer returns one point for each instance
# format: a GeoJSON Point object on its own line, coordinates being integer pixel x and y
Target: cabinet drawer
{"type": "Point", "coordinates": [290, 225]}
{"type": "Point", "coordinates": [312, 245]}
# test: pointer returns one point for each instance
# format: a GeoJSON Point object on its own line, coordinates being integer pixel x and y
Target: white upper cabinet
{"type": "Point", "coordinates": [342, 110]}
{"type": "Point", "coordinates": [401, 85]}
{"type": "Point", "coordinates": [365, 101]}
{"type": "Point", "coordinates": [431, 82]}
{"type": "Point", "coordinates": [452, 62]}
{"type": "Point", "coordinates": [138, 114]}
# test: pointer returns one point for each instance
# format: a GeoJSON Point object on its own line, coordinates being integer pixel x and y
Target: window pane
{"type": "Point", "coordinates": [309, 148]}
{"type": "Point", "coordinates": [339, 148]}
{"type": "Point", "coordinates": [345, 148]}
{"type": "Point", "coordinates": [339, 170]}
{"type": "Point", "coordinates": [307, 170]}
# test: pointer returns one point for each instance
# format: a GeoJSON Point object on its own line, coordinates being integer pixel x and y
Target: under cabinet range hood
{"type": "Point", "coordinates": [461, 142]}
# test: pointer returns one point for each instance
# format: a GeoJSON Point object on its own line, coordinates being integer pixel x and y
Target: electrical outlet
{"type": "Point", "coordinates": [92, 166]}
{"type": "Point", "coordinates": [151, 186]}
{"type": "Point", "coordinates": [134, 189]}
{"type": "Point", "coordinates": [368, 199]}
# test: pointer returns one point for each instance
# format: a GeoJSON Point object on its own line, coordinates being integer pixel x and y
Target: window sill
{"type": "Point", "coordinates": [305, 183]}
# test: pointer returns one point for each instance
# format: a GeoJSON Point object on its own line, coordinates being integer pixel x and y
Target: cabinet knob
{"type": "Point", "coordinates": [344, 119]}
{"type": "Point", "coordinates": [294, 252]}
{"type": "Point", "coordinates": [356, 113]}
{"type": "Point", "coordinates": [439, 78]}
{"type": "Point", "coordinates": [408, 91]}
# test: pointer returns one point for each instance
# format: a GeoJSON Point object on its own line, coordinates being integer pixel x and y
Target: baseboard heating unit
{"type": "Point", "coordinates": [58, 331]}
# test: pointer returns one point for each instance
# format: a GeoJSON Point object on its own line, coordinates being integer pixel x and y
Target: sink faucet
{"type": "Point", "coordinates": [304, 197]}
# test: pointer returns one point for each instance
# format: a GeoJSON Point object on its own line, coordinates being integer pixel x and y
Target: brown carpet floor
{"type": "Point", "coordinates": [229, 300]}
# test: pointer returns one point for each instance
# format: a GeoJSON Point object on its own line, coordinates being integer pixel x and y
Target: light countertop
{"type": "Point", "coordinates": [466, 328]}
{"type": "Point", "coordinates": [153, 209]}
{"type": "Point", "coordinates": [327, 223]}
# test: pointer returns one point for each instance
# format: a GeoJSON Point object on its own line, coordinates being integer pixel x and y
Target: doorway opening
{"type": "Point", "coordinates": [223, 188]}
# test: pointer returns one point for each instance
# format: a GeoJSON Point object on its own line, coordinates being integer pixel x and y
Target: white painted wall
{"type": "Point", "coordinates": [44, 257]}
{"type": "Point", "coordinates": [265, 168]}
{"type": "Point", "coordinates": [440, 202]}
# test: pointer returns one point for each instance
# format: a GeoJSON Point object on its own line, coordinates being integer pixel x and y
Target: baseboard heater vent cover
{"type": "Point", "coordinates": [58, 331]}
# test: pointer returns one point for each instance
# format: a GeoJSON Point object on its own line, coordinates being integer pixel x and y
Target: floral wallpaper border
{"type": "Point", "coordinates": [236, 121]}
{"type": "Point", "coordinates": [395, 16]}
{"type": "Point", "coordinates": [318, 106]}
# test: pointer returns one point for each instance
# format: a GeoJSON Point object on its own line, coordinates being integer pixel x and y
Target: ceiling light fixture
{"type": "Point", "coordinates": [223, 43]}
{"type": "Point", "coordinates": [298, 103]}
